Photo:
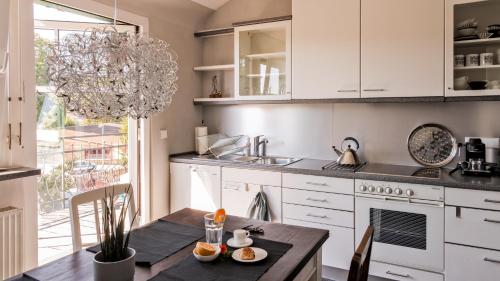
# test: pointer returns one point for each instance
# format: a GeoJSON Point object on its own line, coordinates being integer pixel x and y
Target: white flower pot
{"type": "Point", "coordinates": [114, 271]}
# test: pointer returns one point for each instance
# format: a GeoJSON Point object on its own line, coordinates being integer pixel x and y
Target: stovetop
{"type": "Point", "coordinates": [334, 166]}
{"type": "Point", "coordinates": [402, 171]}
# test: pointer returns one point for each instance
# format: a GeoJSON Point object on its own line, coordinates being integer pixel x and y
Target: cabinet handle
{"type": "Point", "coordinates": [9, 137]}
{"type": "Point", "coordinates": [316, 216]}
{"type": "Point", "coordinates": [347, 91]}
{"type": "Point", "coordinates": [491, 260]}
{"type": "Point", "coordinates": [493, 221]}
{"type": "Point", "coordinates": [231, 188]}
{"type": "Point", "coordinates": [374, 90]}
{"type": "Point", "coordinates": [492, 201]}
{"type": "Point", "coordinates": [316, 183]}
{"type": "Point", "coordinates": [317, 200]}
{"type": "Point", "coordinates": [397, 274]}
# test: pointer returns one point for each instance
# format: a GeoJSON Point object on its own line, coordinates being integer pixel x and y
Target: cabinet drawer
{"type": "Point", "coordinates": [338, 248]}
{"type": "Point", "coordinates": [394, 272]}
{"type": "Point", "coordinates": [473, 198]}
{"type": "Point", "coordinates": [466, 263]}
{"type": "Point", "coordinates": [318, 199]}
{"type": "Point", "coordinates": [318, 215]}
{"type": "Point", "coordinates": [316, 183]}
{"type": "Point", "coordinates": [251, 176]}
{"type": "Point", "coordinates": [472, 227]}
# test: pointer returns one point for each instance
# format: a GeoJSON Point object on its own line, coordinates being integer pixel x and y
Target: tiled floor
{"type": "Point", "coordinates": [54, 232]}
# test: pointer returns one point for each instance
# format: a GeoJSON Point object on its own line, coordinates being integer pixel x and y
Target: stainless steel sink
{"type": "Point", "coordinates": [276, 161]}
{"type": "Point", "coordinates": [263, 160]}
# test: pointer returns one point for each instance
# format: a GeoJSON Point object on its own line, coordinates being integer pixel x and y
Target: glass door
{"type": "Point", "coordinates": [473, 41]}
{"type": "Point", "coordinates": [263, 57]}
{"type": "Point", "coordinates": [75, 154]}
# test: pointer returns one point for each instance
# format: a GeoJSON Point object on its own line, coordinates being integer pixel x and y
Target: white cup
{"type": "Point", "coordinates": [495, 84]}
{"type": "Point", "coordinates": [460, 83]}
{"type": "Point", "coordinates": [472, 60]}
{"type": "Point", "coordinates": [459, 60]}
{"type": "Point", "coordinates": [486, 59]}
{"type": "Point", "coordinates": [240, 236]}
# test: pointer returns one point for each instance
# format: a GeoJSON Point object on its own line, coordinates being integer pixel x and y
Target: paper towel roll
{"type": "Point", "coordinates": [200, 131]}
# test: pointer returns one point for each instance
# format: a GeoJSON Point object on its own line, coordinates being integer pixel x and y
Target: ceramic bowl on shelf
{"type": "Point", "coordinates": [485, 35]}
{"type": "Point", "coordinates": [460, 83]}
{"type": "Point", "coordinates": [468, 23]}
{"type": "Point", "coordinates": [466, 31]}
{"type": "Point", "coordinates": [478, 85]}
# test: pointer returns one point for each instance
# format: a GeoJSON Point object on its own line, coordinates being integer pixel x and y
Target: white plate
{"type": "Point", "coordinates": [260, 254]}
{"type": "Point", "coordinates": [207, 258]}
{"type": "Point", "coordinates": [231, 243]}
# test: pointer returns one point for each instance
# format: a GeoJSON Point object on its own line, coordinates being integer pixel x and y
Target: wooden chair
{"type": "Point", "coordinates": [360, 263]}
{"type": "Point", "coordinates": [94, 196]}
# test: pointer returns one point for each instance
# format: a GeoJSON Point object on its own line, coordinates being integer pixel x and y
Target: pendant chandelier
{"type": "Point", "coordinates": [104, 73]}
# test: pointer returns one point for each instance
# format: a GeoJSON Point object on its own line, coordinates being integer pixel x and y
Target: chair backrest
{"type": "Point", "coordinates": [94, 196]}
{"type": "Point", "coordinates": [360, 263]}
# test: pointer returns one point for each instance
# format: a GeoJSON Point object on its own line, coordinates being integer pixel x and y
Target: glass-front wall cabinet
{"type": "Point", "coordinates": [473, 35]}
{"type": "Point", "coordinates": [263, 61]}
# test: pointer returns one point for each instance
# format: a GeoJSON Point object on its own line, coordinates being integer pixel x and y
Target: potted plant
{"type": "Point", "coordinates": [115, 261]}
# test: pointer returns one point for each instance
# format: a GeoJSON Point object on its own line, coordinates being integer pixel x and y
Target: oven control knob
{"type": "Point", "coordinates": [398, 191]}
{"type": "Point", "coordinates": [410, 192]}
{"type": "Point", "coordinates": [371, 188]}
{"type": "Point", "coordinates": [363, 187]}
{"type": "Point", "coordinates": [388, 190]}
{"type": "Point", "coordinates": [380, 189]}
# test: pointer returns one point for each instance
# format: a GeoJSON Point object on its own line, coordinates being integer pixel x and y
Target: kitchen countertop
{"type": "Point", "coordinates": [371, 171]}
{"type": "Point", "coordinates": [19, 172]}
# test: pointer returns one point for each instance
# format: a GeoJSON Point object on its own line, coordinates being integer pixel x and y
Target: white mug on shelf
{"type": "Point", "coordinates": [240, 236]}
{"type": "Point", "coordinates": [459, 60]}
{"type": "Point", "coordinates": [486, 59]}
{"type": "Point", "coordinates": [495, 84]}
{"type": "Point", "coordinates": [472, 60]}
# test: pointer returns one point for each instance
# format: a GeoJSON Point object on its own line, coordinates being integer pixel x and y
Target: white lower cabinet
{"type": "Point", "coordinates": [472, 227]}
{"type": "Point", "coordinates": [237, 197]}
{"type": "Point", "coordinates": [464, 263]}
{"type": "Point", "coordinates": [194, 186]}
{"type": "Point", "coordinates": [338, 249]}
{"type": "Point", "coordinates": [395, 272]}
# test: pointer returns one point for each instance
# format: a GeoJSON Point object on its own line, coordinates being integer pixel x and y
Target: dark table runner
{"type": "Point", "coordinates": [190, 269]}
{"type": "Point", "coordinates": [159, 240]}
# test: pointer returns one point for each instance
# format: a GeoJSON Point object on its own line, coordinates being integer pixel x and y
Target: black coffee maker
{"type": "Point", "coordinates": [475, 160]}
{"type": "Point", "coordinates": [475, 149]}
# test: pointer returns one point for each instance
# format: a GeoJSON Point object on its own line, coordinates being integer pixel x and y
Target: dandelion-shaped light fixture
{"type": "Point", "coordinates": [105, 73]}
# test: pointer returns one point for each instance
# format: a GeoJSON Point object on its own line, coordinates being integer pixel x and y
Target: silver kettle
{"type": "Point", "coordinates": [348, 156]}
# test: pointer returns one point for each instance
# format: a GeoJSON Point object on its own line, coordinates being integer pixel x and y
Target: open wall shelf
{"type": "Point", "coordinates": [214, 67]}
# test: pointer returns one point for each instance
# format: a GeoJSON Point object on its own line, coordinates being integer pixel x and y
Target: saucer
{"type": "Point", "coordinates": [260, 254]}
{"type": "Point", "coordinates": [231, 243]}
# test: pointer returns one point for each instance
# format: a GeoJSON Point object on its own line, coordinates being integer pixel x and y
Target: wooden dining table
{"type": "Point", "coordinates": [302, 262]}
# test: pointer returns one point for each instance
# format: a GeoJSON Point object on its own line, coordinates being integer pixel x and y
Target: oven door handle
{"type": "Point", "coordinates": [404, 200]}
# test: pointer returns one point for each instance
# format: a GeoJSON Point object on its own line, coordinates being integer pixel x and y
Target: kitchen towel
{"type": "Point", "coordinates": [159, 240]}
{"type": "Point", "coordinates": [190, 269]}
{"type": "Point", "coordinates": [259, 208]}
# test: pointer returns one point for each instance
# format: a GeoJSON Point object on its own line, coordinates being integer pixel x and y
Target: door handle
{"type": "Point", "coordinates": [316, 183]}
{"type": "Point", "coordinates": [492, 221]}
{"type": "Point", "coordinates": [492, 201]}
{"type": "Point", "coordinates": [373, 90]}
{"type": "Point", "coordinates": [491, 260]}
{"type": "Point", "coordinates": [398, 274]}
{"type": "Point", "coordinates": [316, 216]}
{"type": "Point", "coordinates": [316, 200]}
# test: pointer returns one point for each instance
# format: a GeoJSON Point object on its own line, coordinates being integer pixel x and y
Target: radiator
{"type": "Point", "coordinates": [11, 221]}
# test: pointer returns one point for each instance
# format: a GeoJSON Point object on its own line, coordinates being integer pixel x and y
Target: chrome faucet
{"type": "Point", "coordinates": [257, 142]}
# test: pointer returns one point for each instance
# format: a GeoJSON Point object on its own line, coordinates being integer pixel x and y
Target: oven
{"type": "Point", "coordinates": [408, 222]}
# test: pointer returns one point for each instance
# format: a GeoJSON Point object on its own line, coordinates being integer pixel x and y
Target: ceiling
{"type": "Point", "coordinates": [212, 4]}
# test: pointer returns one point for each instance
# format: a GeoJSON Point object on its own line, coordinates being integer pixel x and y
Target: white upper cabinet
{"type": "Point", "coordinates": [263, 61]}
{"type": "Point", "coordinates": [466, 22]}
{"type": "Point", "coordinates": [325, 49]}
{"type": "Point", "coordinates": [402, 48]}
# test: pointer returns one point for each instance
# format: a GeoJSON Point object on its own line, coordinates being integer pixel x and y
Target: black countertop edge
{"type": "Point", "coordinates": [446, 180]}
{"type": "Point", "coordinates": [19, 172]}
